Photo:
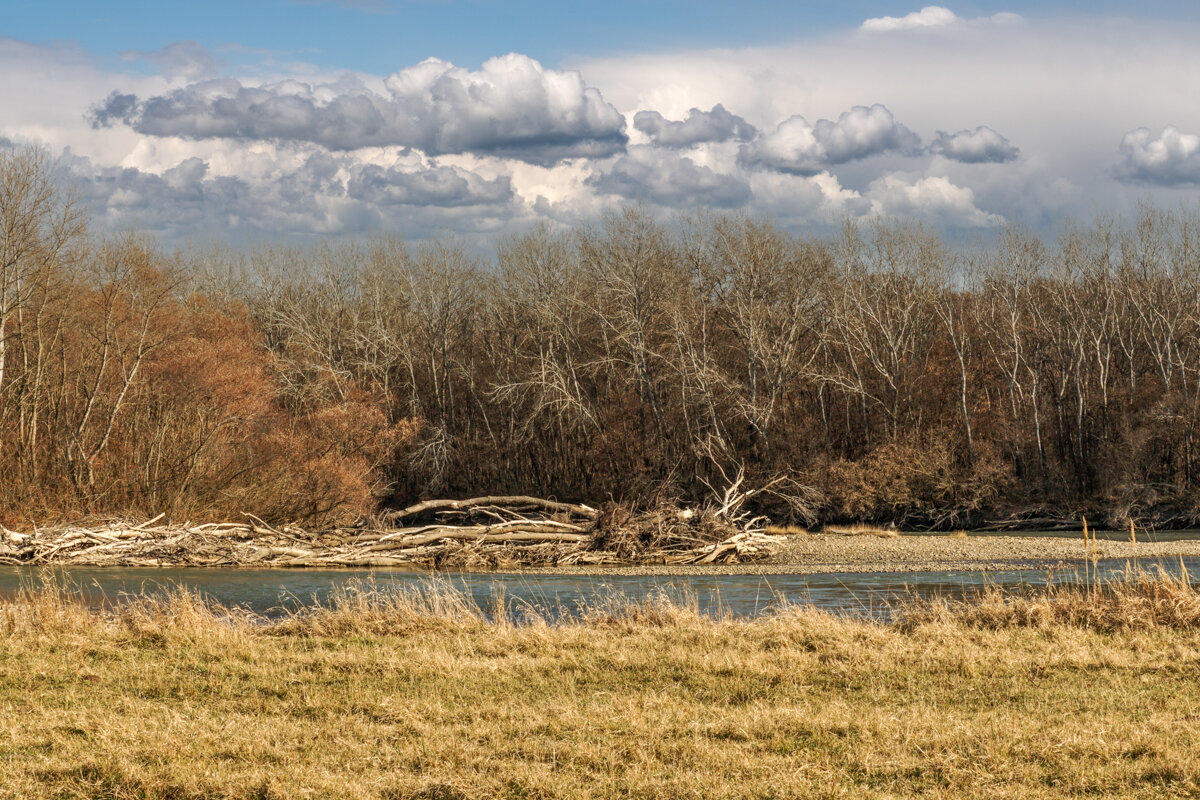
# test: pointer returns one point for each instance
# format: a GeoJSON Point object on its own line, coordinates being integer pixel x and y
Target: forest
{"type": "Point", "coordinates": [886, 373]}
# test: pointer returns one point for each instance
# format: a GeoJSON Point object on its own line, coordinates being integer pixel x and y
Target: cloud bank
{"type": "Point", "coordinates": [885, 118]}
{"type": "Point", "coordinates": [512, 107]}
{"type": "Point", "coordinates": [301, 194]}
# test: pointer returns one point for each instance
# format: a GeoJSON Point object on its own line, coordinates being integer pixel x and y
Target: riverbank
{"type": "Point", "coordinates": [395, 697]}
{"type": "Point", "coordinates": [818, 554]}
{"type": "Point", "coordinates": [545, 548]}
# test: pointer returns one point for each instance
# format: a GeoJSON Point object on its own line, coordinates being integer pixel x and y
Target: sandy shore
{"type": "Point", "coordinates": [815, 554]}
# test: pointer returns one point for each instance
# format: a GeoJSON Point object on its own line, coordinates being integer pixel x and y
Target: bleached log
{"type": "Point", "coordinates": [497, 500]}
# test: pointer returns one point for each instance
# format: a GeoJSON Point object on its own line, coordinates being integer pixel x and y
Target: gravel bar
{"type": "Point", "coordinates": [816, 554]}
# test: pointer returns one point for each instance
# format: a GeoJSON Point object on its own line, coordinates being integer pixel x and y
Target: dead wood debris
{"type": "Point", "coordinates": [478, 533]}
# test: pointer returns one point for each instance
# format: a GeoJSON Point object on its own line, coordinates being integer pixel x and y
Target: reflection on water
{"type": "Point", "coordinates": [272, 592]}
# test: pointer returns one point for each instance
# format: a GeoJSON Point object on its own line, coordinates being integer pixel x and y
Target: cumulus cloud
{"type": "Point", "coordinates": [805, 149]}
{"type": "Point", "coordinates": [717, 125]}
{"type": "Point", "coordinates": [980, 146]}
{"type": "Point", "coordinates": [804, 201]}
{"type": "Point", "coordinates": [645, 173]}
{"type": "Point", "coordinates": [1170, 159]}
{"type": "Point", "coordinates": [929, 17]}
{"type": "Point", "coordinates": [511, 107]}
{"type": "Point", "coordinates": [188, 60]}
{"type": "Point", "coordinates": [932, 198]}
{"type": "Point", "coordinates": [437, 186]}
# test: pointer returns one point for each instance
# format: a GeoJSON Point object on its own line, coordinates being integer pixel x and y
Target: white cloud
{"type": "Point", "coordinates": [980, 146]}
{"type": "Point", "coordinates": [796, 146]}
{"type": "Point", "coordinates": [512, 105]}
{"type": "Point", "coordinates": [1170, 159]}
{"type": "Point", "coordinates": [805, 201]}
{"type": "Point", "coordinates": [927, 17]}
{"type": "Point", "coordinates": [47, 90]}
{"type": "Point", "coordinates": [932, 198]}
{"type": "Point", "coordinates": [931, 17]}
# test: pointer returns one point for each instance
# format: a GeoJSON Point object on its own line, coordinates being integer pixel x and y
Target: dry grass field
{"type": "Point", "coordinates": [400, 696]}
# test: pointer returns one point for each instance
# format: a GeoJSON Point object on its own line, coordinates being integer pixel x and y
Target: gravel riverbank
{"type": "Point", "coordinates": [816, 554]}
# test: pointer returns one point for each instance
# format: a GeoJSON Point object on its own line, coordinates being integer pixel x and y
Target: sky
{"type": "Point", "coordinates": [290, 120]}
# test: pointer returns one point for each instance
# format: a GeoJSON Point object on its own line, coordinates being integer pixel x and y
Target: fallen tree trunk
{"type": "Point", "coordinates": [483, 535]}
{"type": "Point", "coordinates": [480, 532]}
{"type": "Point", "coordinates": [501, 501]}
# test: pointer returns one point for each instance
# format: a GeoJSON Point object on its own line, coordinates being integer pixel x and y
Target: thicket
{"type": "Point", "coordinates": [125, 390]}
{"type": "Point", "coordinates": [879, 374]}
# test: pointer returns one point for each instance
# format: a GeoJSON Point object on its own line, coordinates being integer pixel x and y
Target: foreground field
{"type": "Point", "coordinates": [400, 696]}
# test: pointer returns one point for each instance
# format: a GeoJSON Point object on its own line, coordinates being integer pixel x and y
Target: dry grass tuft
{"type": "Point", "coordinates": [786, 530]}
{"type": "Point", "coordinates": [1139, 600]}
{"type": "Point", "coordinates": [862, 530]}
{"type": "Point", "coordinates": [956, 535]}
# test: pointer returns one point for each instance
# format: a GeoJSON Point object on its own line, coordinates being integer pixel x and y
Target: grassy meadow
{"type": "Point", "coordinates": [404, 696]}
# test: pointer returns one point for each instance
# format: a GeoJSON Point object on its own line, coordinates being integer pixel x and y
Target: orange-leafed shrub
{"type": "Point", "coordinates": [143, 402]}
{"type": "Point", "coordinates": [225, 445]}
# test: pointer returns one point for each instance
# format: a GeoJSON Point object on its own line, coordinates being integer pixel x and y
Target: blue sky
{"type": "Point", "coordinates": [286, 119]}
{"type": "Point", "coordinates": [379, 36]}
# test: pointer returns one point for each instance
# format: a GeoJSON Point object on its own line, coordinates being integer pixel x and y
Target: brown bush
{"type": "Point", "coordinates": [131, 400]}
{"type": "Point", "coordinates": [912, 479]}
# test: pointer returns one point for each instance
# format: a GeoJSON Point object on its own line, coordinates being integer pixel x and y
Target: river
{"type": "Point", "coordinates": [275, 592]}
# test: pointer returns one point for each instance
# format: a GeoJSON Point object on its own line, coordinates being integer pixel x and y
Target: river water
{"type": "Point", "coordinates": [275, 592]}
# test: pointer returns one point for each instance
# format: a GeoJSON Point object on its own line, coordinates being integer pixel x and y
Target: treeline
{"type": "Point", "coordinates": [880, 374]}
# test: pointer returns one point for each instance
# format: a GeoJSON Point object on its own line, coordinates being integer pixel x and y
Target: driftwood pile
{"type": "Point", "coordinates": [482, 532]}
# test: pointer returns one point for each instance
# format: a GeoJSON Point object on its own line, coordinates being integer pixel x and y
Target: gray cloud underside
{"type": "Point", "coordinates": [980, 146]}
{"type": "Point", "coordinates": [806, 149]}
{"type": "Point", "coordinates": [324, 194]}
{"type": "Point", "coordinates": [670, 180]}
{"type": "Point", "coordinates": [438, 186]}
{"type": "Point", "coordinates": [511, 107]}
{"type": "Point", "coordinates": [1170, 159]}
{"type": "Point", "coordinates": [717, 125]}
